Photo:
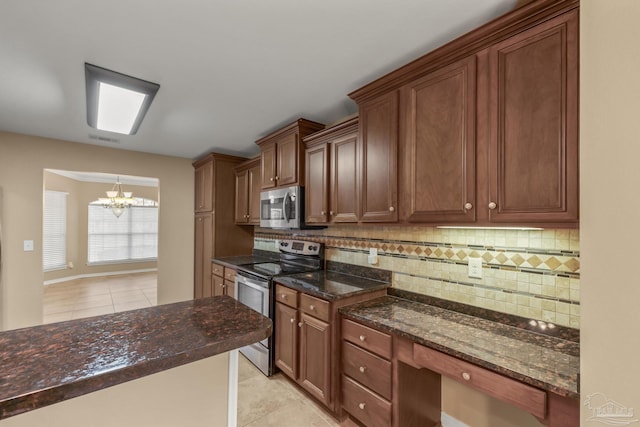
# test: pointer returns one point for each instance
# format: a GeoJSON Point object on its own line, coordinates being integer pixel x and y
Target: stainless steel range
{"type": "Point", "coordinates": [254, 288]}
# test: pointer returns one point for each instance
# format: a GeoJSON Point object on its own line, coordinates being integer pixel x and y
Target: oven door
{"type": "Point", "coordinates": [254, 293]}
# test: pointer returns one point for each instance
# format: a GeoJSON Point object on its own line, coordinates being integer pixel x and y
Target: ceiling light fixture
{"type": "Point", "coordinates": [118, 200]}
{"type": "Point", "coordinates": [116, 102]}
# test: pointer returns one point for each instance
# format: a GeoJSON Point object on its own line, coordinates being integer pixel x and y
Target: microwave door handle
{"type": "Point", "coordinates": [284, 206]}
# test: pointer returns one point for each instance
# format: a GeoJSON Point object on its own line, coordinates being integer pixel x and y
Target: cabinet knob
{"type": "Point", "coordinates": [322, 212]}
{"type": "Point", "coordinates": [362, 405]}
{"type": "Point", "coordinates": [331, 213]}
{"type": "Point", "coordinates": [283, 296]}
{"type": "Point", "coordinates": [299, 324]}
{"type": "Point", "coordinates": [222, 285]}
{"type": "Point", "coordinates": [492, 205]}
{"type": "Point", "coordinates": [468, 206]}
{"type": "Point", "coordinates": [466, 376]}
{"type": "Point", "coordinates": [391, 209]}
{"type": "Point", "coordinates": [362, 338]}
{"type": "Point", "coordinates": [277, 178]}
{"type": "Point", "coordinates": [292, 320]}
{"type": "Point", "coordinates": [362, 369]}
{"type": "Point", "coordinates": [312, 307]}
{"type": "Point", "coordinates": [271, 179]}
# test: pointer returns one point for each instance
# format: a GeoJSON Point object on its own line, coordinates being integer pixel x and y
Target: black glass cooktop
{"type": "Point", "coordinates": [271, 269]}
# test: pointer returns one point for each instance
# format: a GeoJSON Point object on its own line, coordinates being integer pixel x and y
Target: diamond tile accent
{"type": "Point", "coordinates": [502, 258]}
{"type": "Point", "coordinates": [449, 253]}
{"type": "Point", "coordinates": [487, 257]}
{"type": "Point", "coordinates": [461, 254]}
{"type": "Point", "coordinates": [572, 265]}
{"type": "Point", "coordinates": [534, 261]}
{"type": "Point", "coordinates": [438, 252]}
{"type": "Point", "coordinates": [517, 260]}
{"type": "Point", "coordinates": [553, 263]}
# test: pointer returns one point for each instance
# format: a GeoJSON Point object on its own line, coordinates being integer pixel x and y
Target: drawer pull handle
{"type": "Point", "coordinates": [362, 338]}
{"type": "Point", "coordinates": [292, 320]}
{"type": "Point", "coordinates": [362, 369]}
{"type": "Point", "coordinates": [299, 324]}
{"type": "Point", "coordinates": [312, 307]}
{"type": "Point", "coordinates": [466, 376]}
{"type": "Point", "coordinates": [362, 405]}
{"type": "Point", "coordinates": [284, 296]}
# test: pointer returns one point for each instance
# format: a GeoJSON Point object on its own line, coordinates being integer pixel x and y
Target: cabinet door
{"type": "Point", "coordinates": [203, 247]}
{"type": "Point", "coordinates": [229, 288]}
{"type": "Point", "coordinates": [217, 286]}
{"type": "Point", "coordinates": [378, 159]}
{"type": "Point", "coordinates": [315, 357]}
{"type": "Point", "coordinates": [254, 195]}
{"type": "Point", "coordinates": [204, 187]}
{"type": "Point", "coordinates": [317, 179]}
{"type": "Point", "coordinates": [534, 124]}
{"type": "Point", "coordinates": [438, 140]}
{"type": "Point", "coordinates": [288, 159]}
{"type": "Point", "coordinates": [268, 165]}
{"type": "Point", "coordinates": [242, 197]}
{"type": "Point", "coordinates": [344, 179]}
{"type": "Point", "coordinates": [286, 337]}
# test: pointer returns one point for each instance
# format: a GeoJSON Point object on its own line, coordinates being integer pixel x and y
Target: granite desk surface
{"type": "Point", "coordinates": [545, 362]}
{"type": "Point", "coordinates": [330, 285]}
{"type": "Point", "coordinates": [46, 364]}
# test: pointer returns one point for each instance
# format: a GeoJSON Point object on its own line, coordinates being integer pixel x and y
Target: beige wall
{"type": "Point", "coordinates": [192, 395]}
{"type": "Point", "coordinates": [80, 194]}
{"type": "Point", "coordinates": [610, 202]}
{"type": "Point", "coordinates": [22, 161]}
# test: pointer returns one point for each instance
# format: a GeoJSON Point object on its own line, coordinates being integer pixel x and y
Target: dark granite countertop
{"type": "Point", "coordinates": [50, 363]}
{"type": "Point", "coordinates": [330, 285]}
{"type": "Point", "coordinates": [546, 362]}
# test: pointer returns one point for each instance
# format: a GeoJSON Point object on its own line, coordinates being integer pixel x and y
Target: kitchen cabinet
{"type": "Point", "coordinates": [215, 231]}
{"type": "Point", "coordinates": [303, 341]}
{"type": "Point", "coordinates": [332, 174]}
{"type": "Point", "coordinates": [378, 157]}
{"type": "Point", "coordinates": [488, 126]}
{"type": "Point", "coordinates": [438, 145]}
{"type": "Point", "coordinates": [533, 123]}
{"type": "Point", "coordinates": [282, 158]}
{"type": "Point", "coordinates": [247, 199]}
{"type": "Point", "coordinates": [222, 280]}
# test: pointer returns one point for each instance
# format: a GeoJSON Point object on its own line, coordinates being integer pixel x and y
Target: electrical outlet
{"type": "Point", "coordinates": [475, 268]}
{"type": "Point", "coordinates": [373, 256]}
{"type": "Point", "coordinates": [28, 245]}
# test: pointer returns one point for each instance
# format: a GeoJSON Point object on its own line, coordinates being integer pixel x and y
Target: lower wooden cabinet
{"type": "Point", "coordinates": [222, 281]}
{"type": "Point", "coordinates": [303, 344]}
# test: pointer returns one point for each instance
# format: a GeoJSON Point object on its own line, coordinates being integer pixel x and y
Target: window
{"type": "Point", "coordinates": [54, 227]}
{"type": "Point", "coordinates": [131, 237]}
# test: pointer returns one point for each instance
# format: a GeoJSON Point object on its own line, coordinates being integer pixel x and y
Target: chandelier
{"type": "Point", "coordinates": [117, 200]}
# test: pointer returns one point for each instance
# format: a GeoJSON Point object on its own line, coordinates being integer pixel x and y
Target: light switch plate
{"type": "Point", "coordinates": [475, 268]}
{"type": "Point", "coordinates": [373, 256]}
{"type": "Point", "coordinates": [28, 245]}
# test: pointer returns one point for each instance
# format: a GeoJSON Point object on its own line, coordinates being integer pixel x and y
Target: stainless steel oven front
{"type": "Point", "coordinates": [256, 293]}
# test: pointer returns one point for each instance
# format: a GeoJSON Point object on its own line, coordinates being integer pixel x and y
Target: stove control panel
{"type": "Point", "coordinates": [299, 247]}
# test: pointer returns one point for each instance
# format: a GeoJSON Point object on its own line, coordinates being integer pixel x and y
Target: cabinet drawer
{"type": "Point", "coordinates": [314, 307]}
{"type": "Point", "coordinates": [367, 368]}
{"type": "Point", "coordinates": [287, 296]}
{"type": "Point", "coordinates": [229, 274]}
{"type": "Point", "coordinates": [370, 409]}
{"type": "Point", "coordinates": [367, 338]}
{"type": "Point", "coordinates": [511, 391]}
{"type": "Point", "coordinates": [217, 269]}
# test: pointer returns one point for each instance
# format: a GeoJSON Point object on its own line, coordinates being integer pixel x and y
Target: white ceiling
{"type": "Point", "coordinates": [229, 71]}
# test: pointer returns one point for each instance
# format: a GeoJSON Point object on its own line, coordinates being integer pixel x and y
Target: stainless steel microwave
{"type": "Point", "coordinates": [282, 208]}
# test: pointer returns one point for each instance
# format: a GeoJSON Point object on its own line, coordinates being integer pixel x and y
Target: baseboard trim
{"type": "Point", "coordinates": [106, 273]}
{"type": "Point", "coordinates": [448, 421]}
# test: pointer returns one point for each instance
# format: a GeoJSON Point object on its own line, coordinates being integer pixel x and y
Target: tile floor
{"type": "Point", "coordinates": [98, 295]}
{"type": "Point", "coordinates": [275, 402]}
{"type": "Point", "coordinates": [262, 401]}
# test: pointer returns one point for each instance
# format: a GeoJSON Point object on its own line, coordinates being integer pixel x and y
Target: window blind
{"type": "Point", "coordinates": [54, 236]}
{"type": "Point", "coordinates": [131, 237]}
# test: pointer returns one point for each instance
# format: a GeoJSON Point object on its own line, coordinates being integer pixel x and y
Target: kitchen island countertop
{"type": "Point", "coordinates": [47, 364]}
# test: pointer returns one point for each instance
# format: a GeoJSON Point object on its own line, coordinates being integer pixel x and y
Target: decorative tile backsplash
{"type": "Point", "coordinates": [529, 273]}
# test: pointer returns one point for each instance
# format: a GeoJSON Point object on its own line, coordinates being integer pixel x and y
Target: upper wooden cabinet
{"type": "Point", "coordinates": [379, 159]}
{"type": "Point", "coordinates": [331, 193]}
{"type": "Point", "coordinates": [533, 122]}
{"type": "Point", "coordinates": [488, 126]}
{"type": "Point", "coordinates": [204, 187]}
{"type": "Point", "coordinates": [247, 206]}
{"type": "Point", "coordinates": [438, 145]}
{"type": "Point", "coordinates": [282, 159]}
